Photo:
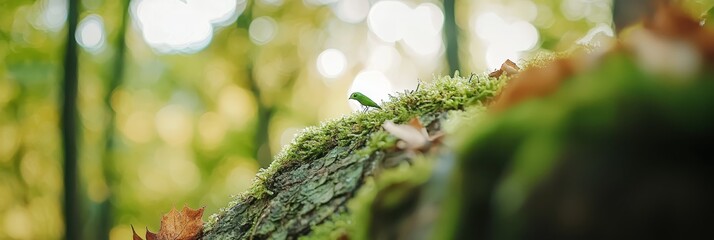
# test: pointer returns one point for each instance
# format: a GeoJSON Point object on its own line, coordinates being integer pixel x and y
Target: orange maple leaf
{"type": "Point", "coordinates": [175, 225]}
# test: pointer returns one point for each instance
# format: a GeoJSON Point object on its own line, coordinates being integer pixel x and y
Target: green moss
{"type": "Point", "coordinates": [610, 118]}
{"type": "Point", "coordinates": [359, 134]}
{"type": "Point", "coordinates": [335, 228]}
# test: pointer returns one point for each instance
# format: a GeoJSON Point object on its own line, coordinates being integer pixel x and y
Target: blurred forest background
{"type": "Point", "coordinates": [182, 101]}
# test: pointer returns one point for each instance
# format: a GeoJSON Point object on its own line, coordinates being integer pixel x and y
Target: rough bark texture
{"type": "Point", "coordinates": [306, 194]}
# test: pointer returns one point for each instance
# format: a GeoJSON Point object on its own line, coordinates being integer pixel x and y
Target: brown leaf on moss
{"type": "Point", "coordinates": [175, 225]}
{"type": "Point", "coordinates": [508, 67]}
{"type": "Point", "coordinates": [534, 82]}
{"type": "Point", "coordinates": [413, 135]}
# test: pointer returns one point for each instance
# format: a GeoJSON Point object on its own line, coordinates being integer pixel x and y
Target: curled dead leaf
{"type": "Point", "coordinates": [508, 67]}
{"type": "Point", "coordinates": [413, 135]}
{"type": "Point", "coordinates": [184, 225]}
{"type": "Point", "coordinates": [534, 82]}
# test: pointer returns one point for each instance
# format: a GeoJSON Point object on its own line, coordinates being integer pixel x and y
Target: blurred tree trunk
{"type": "Point", "coordinates": [451, 35]}
{"type": "Point", "coordinates": [261, 139]}
{"type": "Point", "coordinates": [68, 127]}
{"type": "Point", "coordinates": [115, 80]}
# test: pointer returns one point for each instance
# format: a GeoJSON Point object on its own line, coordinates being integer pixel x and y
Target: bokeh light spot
{"type": "Point", "coordinates": [383, 58]}
{"type": "Point", "coordinates": [423, 29]}
{"type": "Point", "coordinates": [53, 15]}
{"type": "Point", "coordinates": [90, 33]}
{"type": "Point", "coordinates": [237, 105]}
{"type": "Point", "coordinates": [212, 128]}
{"type": "Point", "coordinates": [497, 54]}
{"type": "Point", "coordinates": [504, 40]}
{"type": "Point", "coordinates": [138, 126]}
{"type": "Point", "coordinates": [262, 30]}
{"type": "Point", "coordinates": [385, 20]}
{"type": "Point", "coordinates": [331, 63]}
{"type": "Point", "coordinates": [175, 26]}
{"type": "Point", "coordinates": [351, 11]}
{"type": "Point", "coordinates": [288, 135]}
{"type": "Point", "coordinates": [18, 223]}
{"type": "Point", "coordinates": [174, 125]}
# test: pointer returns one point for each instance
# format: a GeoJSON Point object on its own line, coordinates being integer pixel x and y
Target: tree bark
{"type": "Point", "coordinates": [68, 126]}
{"type": "Point", "coordinates": [451, 34]}
{"type": "Point", "coordinates": [115, 80]}
{"type": "Point", "coordinates": [308, 193]}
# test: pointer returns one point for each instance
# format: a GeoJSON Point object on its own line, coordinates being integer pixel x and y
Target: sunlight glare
{"type": "Point", "coordinates": [374, 84]}
{"type": "Point", "coordinates": [175, 26]}
{"type": "Point", "coordinates": [423, 29]}
{"type": "Point", "coordinates": [331, 63]}
{"type": "Point", "coordinates": [497, 54]}
{"type": "Point", "coordinates": [383, 58]}
{"type": "Point", "coordinates": [53, 15]}
{"type": "Point", "coordinates": [385, 20]}
{"type": "Point", "coordinates": [351, 11]}
{"type": "Point", "coordinates": [504, 40]}
{"type": "Point", "coordinates": [90, 33]}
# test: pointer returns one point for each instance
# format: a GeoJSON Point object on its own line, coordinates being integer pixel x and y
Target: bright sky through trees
{"type": "Point", "coordinates": [171, 26]}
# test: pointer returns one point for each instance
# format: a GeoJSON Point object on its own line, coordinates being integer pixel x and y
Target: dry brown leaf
{"type": "Point", "coordinates": [534, 82]}
{"type": "Point", "coordinates": [414, 122]}
{"type": "Point", "coordinates": [496, 73]}
{"type": "Point", "coordinates": [413, 135]}
{"type": "Point", "coordinates": [508, 67]}
{"type": "Point", "coordinates": [175, 225]}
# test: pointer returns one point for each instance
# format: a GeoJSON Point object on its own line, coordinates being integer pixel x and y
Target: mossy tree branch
{"type": "Point", "coordinates": [313, 178]}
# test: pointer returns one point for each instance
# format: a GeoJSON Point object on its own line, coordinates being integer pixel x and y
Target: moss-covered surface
{"type": "Point", "coordinates": [615, 151]}
{"type": "Point", "coordinates": [605, 133]}
{"type": "Point", "coordinates": [598, 147]}
{"type": "Point", "coordinates": [310, 182]}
